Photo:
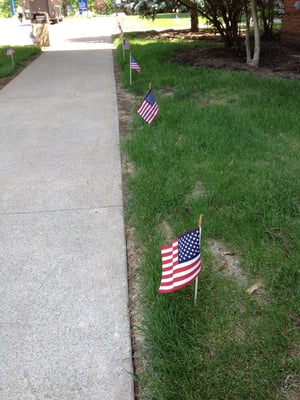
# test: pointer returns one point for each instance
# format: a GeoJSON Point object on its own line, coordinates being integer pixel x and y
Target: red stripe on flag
{"type": "Point", "coordinates": [175, 279]}
{"type": "Point", "coordinates": [175, 274]}
{"type": "Point", "coordinates": [148, 109]}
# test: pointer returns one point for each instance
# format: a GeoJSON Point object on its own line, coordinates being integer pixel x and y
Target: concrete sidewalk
{"type": "Point", "coordinates": [64, 328]}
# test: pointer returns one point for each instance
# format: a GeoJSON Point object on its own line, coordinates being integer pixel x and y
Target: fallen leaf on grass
{"type": "Point", "coordinates": [224, 266]}
{"type": "Point", "coordinates": [296, 320]}
{"type": "Point", "coordinates": [273, 232]}
{"type": "Point", "coordinates": [285, 383]}
{"type": "Point", "coordinates": [254, 287]}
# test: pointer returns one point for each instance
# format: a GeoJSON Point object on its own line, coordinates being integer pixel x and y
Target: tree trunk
{"type": "Point", "coordinates": [248, 35]}
{"type": "Point", "coordinates": [255, 60]}
{"type": "Point", "coordinates": [194, 19]}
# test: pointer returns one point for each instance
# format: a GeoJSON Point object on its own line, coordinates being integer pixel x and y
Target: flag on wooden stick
{"type": "Point", "coordinates": [121, 30]}
{"type": "Point", "coordinates": [10, 53]}
{"type": "Point", "coordinates": [125, 44]}
{"type": "Point", "coordinates": [148, 109]}
{"type": "Point", "coordinates": [35, 40]}
{"type": "Point", "coordinates": [120, 27]}
{"type": "Point", "coordinates": [181, 262]}
{"type": "Point", "coordinates": [134, 65]}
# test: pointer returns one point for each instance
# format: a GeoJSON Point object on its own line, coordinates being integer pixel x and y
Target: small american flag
{"type": "Point", "coordinates": [9, 52]}
{"type": "Point", "coordinates": [134, 64]}
{"type": "Point", "coordinates": [148, 109]}
{"type": "Point", "coordinates": [181, 262]}
{"type": "Point", "coordinates": [125, 44]}
{"type": "Point", "coordinates": [34, 39]}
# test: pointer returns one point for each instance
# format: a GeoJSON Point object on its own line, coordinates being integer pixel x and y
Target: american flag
{"type": "Point", "coordinates": [125, 44]}
{"type": "Point", "coordinates": [148, 109]}
{"type": "Point", "coordinates": [9, 52]}
{"type": "Point", "coordinates": [181, 262]}
{"type": "Point", "coordinates": [34, 39]}
{"type": "Point", "coordinates": [134, 64]}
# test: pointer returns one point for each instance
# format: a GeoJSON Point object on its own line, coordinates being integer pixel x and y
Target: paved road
{"type": "Point", "coordinates": [64, 328]}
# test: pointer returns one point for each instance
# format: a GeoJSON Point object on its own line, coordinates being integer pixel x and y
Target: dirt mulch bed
{"type": "Point", "coordinates": [275, 59]}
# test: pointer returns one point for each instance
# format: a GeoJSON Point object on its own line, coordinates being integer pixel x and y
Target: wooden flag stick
{"type": "Point", "coordinates": [123, 50]}
{"type": "Point", "coordinates": [150, 86]}
{"type": "Point", "coordinates": [196, 281]}
{"type": "Point", "coordinates": [196, 290]}
{"type": "Point", "coordinates": [130, 72]}
{"type": "Point", "coordinates": [12, 62]}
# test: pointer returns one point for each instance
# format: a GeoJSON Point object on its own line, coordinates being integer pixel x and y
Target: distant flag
{"type": "Point", "coordinates": [134, 64]}
{"type": "Point", "coordinates": [34, 39]}
{"type": "Point", "coordinates": [120, 27]}
{"type": "Point", "coordinates": [9, 52]}
{"type": "Point", "coordinates": [181, 262]}
{"type": "Point", "coordinates": [148, 109]}
{"type": "Point", "coordinates": [125, 44]}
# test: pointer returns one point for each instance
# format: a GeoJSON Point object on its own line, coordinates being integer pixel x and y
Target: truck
{"type": "Point", "coordinates": [32, 8]}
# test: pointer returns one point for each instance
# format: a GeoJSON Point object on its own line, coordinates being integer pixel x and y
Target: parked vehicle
{"type": "Point", "coordinates": [51, 7]}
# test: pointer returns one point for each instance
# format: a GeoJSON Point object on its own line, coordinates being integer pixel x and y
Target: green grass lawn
{"type": "Point", "coordinates": [9, 66]}
{"type": "Point", "coordinates": [227, 145]}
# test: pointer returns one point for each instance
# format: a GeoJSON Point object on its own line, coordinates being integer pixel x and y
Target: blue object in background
{"type": "Point", "coordinates": [82, 5]}
{"type": "Point", "coordinates": [12, 6]}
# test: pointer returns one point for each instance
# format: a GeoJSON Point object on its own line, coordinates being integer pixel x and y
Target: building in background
{"type": "Point", "coordinates": [290, 30]}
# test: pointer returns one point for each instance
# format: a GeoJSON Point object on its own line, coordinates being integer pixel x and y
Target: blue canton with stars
{"type": "Point", "coordinates": [188, 246]}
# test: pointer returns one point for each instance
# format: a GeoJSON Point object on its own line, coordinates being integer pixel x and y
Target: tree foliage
{"type": "Point", "coordinates": [269, 10]}
{"type": "Point", "coordinates": [224, 15]}
{"type": "Point", "coordinates": [150, 8]}
{"type": "Point", "coordinates": [5, 9]}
